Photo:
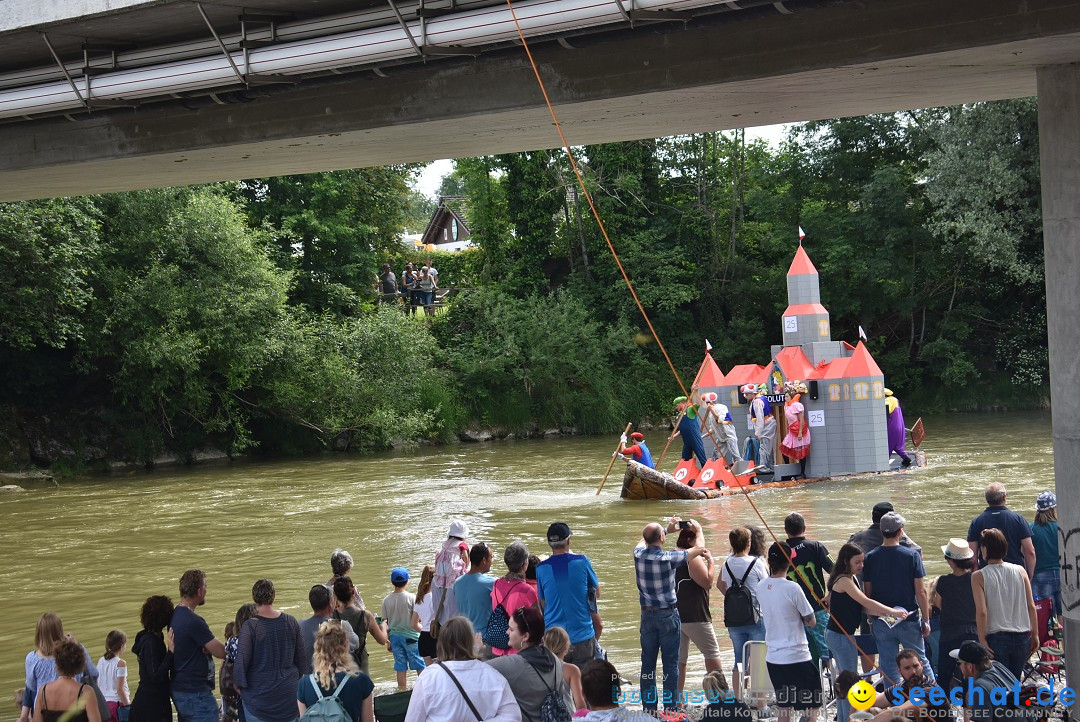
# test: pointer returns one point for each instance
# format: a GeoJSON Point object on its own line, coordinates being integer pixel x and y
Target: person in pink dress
{"type": "Point", "coordinates": [796, 444]}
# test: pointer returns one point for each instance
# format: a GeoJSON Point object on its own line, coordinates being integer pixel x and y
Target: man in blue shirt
{"type": "Point", "coordinates": [661, 628]}
{"type": "Point", "coordinates": [563, 581]}
{"type": "Point", "coordinates": [1014, 526]}
{"type": "Point", "coordinates": [472, 590]}
{"type": "Point", "coordinates": [194, 644]}
{"type": "Point", "coordinates": [893, 575]}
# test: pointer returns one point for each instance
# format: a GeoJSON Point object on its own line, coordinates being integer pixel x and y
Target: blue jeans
{"type": "Point", "coordinates": [847, 659]}
{"type": "Point", "coordinates": [1011, 649]}
{"type": "Point", "coordinates": [1047, 585]}
{"type": "Point", "coordinates": [905, 635]}
{"type": "Point", "coordinates": [406, 656]}
{"type": "Point", "coordinates": [747, 633]}
{"type": "Point", "coordinates": [196, 706]}
{"type": "Point", "coordinates": [660, 633]}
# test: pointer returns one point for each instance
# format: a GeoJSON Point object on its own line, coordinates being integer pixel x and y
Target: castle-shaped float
{"type": "Point", "coordinates": [845, 405]}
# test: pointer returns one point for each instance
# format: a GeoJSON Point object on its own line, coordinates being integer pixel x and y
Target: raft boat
{"type": "Point", "coordinates": [640, 482]}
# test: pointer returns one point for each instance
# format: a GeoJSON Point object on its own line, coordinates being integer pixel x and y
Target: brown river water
{"type": "Point", "coordinates": [93, 549]}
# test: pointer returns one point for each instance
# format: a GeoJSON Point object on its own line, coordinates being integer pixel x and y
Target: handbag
{"type": "Point", "coordinates": [103, 706]}
{"type": "Point", "coordinates": [433, 626]}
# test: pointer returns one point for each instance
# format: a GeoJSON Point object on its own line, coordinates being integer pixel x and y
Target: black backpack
{"type": "Point", "coordinates": [739, 607]}
{"type": "Point", "coordinates": [553, 708]}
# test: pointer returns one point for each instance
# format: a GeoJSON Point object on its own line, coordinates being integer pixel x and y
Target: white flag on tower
{"type": "Point", "coordinates": [708, 346]}
{"type": "Point", "coordinates": [802, 233]}
{"type": "Point", "coordinates": [862, 334]}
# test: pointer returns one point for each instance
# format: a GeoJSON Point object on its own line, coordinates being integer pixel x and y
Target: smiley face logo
{"type": "Point", "coordinates": [862, 695]}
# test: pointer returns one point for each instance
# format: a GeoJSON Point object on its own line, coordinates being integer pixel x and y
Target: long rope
{"type": "Point", "coordinates": [644, 313]}
{"type": "Point", "coordinates": [588, 197]}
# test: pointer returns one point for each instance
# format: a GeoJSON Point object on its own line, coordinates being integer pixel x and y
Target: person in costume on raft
{"type": "Point", "coordinates": [896, 428]}
{"type": "Point", "coordinates": [764, 425]}
{"type": "Point", "coordinates": [638, 451]}
{"type": "Point", "coordinates": [796, 444]}
{"type": "Point", "coordinates": [689, 428]}
{"type": "Point", "coordinates": [718, 418]}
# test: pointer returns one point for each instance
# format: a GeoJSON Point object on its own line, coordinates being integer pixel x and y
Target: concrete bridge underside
{"type": "Point", "coordinates": [746, 68]}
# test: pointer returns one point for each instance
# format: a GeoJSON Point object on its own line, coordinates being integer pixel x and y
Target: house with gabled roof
{"type": "Point", "coordinates": [448, 229]}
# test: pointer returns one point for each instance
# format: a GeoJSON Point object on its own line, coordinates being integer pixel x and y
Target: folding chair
{"type": "Point", "coordinates": [755, 685]}
{"type": "Point", "coordinates": [1049, 659]}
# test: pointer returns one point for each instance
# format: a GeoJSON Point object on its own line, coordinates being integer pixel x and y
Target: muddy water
{"type": "Point", "coordinates": [94, 549]}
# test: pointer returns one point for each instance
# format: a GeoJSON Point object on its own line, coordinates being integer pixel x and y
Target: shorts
{"type": "Point", "coordinates": [703, 636]}
{"type": "Point", "coordinates": [798, 685]}
{"type": "Point", "coordinates": [426, 645]}
{"type": "Point", "coordinates": [406, 656]}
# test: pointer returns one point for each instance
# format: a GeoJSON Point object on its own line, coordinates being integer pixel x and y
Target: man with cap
{"type": "Point", "coordinates": [661, 628]}
{"type": "Point", "coordinates": [986, 675]}
{"type": "Point", "coordinates": [894, 575]}
{"type": "Point", "coordinates": [718, 419]}
{"type": "Point", "coordinates": [638, 451]}
{"type": "Point", "coordinates": [1021, 550]}
{"type": "Point", "coordinates": [870, 537]}
{"type": "Point", "coordinates": [787, 651]}
{"type": "Point", "coordinates": [689, 429]}
{"type": "Point", "coordinates": [763, 424]}
{"type": "Point", "coordinates": [472, 591]}
{"type": "Point", "coordinates": [563, 583]}
{"type": "Point", "coordinates": [450, 563]}
{"type": "Point", "coordinates": [1046, 583]}
{"type": "Point", "coordinates": [397, 610]}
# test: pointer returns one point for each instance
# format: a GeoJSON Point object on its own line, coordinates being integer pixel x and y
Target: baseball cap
{"type": "Point", "coordinates": [399, 575]}
{"type": "Point", "coordinates": [776, 552]}
{"type": "Point", "coordinates": [891, 522]}
{"type": "Point", "coordinates": [881, 509]}
{"type": "Point", "coordinates": [558, 532]}
{"type": "Point", "coordinates": [971, 652]}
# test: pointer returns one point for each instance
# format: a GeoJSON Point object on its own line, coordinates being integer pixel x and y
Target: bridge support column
{"type": "Point", "coordinates": [1059, 155]}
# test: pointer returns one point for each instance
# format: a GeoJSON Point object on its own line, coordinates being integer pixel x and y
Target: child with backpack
{"type": "Point", "coordinates": [336, 690]}
{"type": "Point", "coordinates": [397, 610]}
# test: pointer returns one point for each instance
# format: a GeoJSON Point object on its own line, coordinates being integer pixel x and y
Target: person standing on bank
{"type": "Point", "coordinates": [388, 287]}
{"type": "Point", "coordinates": [693, 581]}
{"type": "Point", "coordinates": [408, 288]}
{"type": "Point", "coordinates": [194, 647]}
{"type": "Point", "coordinates": [743, 568]}
{"type": "Point", "coordinates": [661, 627]}
{"type": "Point", "coordinates": [563, 584]}
{"type": "Point", "coordinates": [269, 659]}
{"type": "Point", "coordinates": [154, 652]}
{"type": "Point", "coordinates": [1046, 583]}
{"type": "Point", "coordinates": [954, 597]}
{"type": "Point", "coordinates": [894, 576]}
{"type": "Point", "coordinates": [1004, 610]}
{"type": "Point", "coordinates": [1015, 528]}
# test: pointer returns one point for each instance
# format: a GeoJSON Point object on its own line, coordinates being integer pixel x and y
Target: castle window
{"type": "Point", "coordinates": [879, 390]}
{"type": "Point", "coordinates": [862, 391]}
{"type": "Point", "coordinates": [834, 392]}
{"type": "Point", "coordinates": [823, 328]}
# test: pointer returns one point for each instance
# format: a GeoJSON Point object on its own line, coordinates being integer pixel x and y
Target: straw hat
{"type": "Point", "coordinates": [957, 549]}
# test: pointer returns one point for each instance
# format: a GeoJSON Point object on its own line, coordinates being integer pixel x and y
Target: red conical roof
{"type": "Point", "coordinates": [862, 363]}
{"type": "Point", "coordinates": [746, 374]}
{"type": "Point", "coordinates": [801, 265]}
{"type": "Point", "coordinates": [709, 374]}
{"type": "Point", "coordinates": [794, 364]}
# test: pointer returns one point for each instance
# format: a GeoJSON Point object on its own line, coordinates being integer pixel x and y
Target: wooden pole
{"type": "Point", "coordinates": [612, 464]}
{"type": "Point", "coordinates": [668, 444]}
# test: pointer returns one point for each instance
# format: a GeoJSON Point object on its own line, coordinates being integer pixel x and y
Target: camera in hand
{"type": "Point", "coordinates": [685, 525]}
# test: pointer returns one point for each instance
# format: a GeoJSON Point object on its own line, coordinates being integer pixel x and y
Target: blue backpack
{"type": "Point", "coordinates": [327, 709]}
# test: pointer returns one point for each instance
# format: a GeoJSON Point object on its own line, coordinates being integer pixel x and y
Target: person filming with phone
{"type": "Point", "coordinates": [661, 627]}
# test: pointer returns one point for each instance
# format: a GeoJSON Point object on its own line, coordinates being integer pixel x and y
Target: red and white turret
{"type": "Point", "coordinates": [805, 321]}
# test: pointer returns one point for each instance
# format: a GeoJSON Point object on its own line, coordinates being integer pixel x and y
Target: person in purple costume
{"type": "Point", "coordinates": [897, 430]}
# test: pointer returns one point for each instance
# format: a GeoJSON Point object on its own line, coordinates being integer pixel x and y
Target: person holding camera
{"type": "Point", "coordinates": [661, 627]}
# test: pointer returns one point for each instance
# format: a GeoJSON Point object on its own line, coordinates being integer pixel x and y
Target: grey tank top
{"type": "Point", "coordinates": [1006, 598]}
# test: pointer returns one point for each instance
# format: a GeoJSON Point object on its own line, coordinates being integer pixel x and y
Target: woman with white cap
{"type": "Point", "coordinates": [953, 596]}
{"type": "Point", "coordinates": [1046, 583]}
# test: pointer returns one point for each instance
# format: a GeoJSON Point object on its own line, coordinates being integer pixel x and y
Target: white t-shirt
{"type": "Point", "coordinates": [738, 567]}
{"type": "Point", "coordinates": [437, 699]}
{"type": "Point", "coordinates": [109, 671]}
{"type": "Point", "coordinates": [425, 611]}
{"type": "Point", "coordinates": [783, 605]}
